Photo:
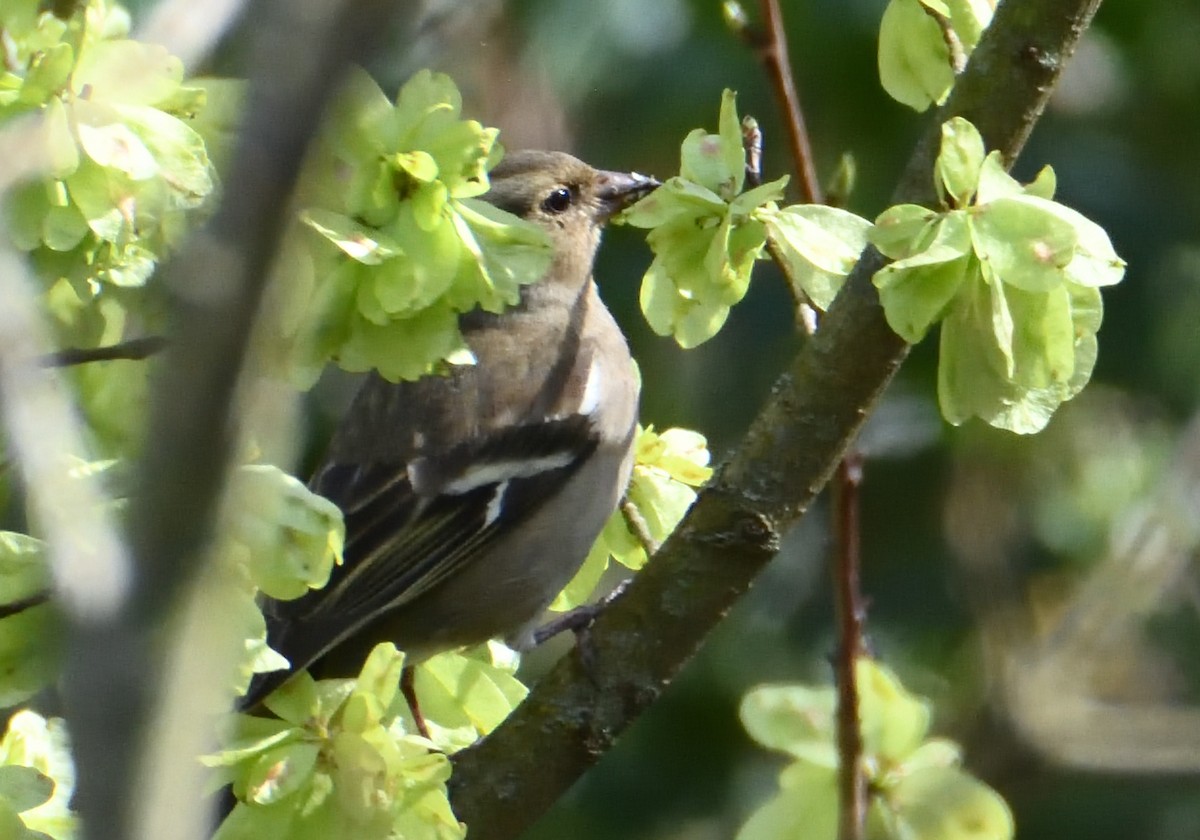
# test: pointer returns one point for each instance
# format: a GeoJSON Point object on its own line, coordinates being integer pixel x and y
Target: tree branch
{"type": "Point", "coordinates": [847, 561]}
{"type": "Point", "coordinates": [851, 614]}
{"type": "Point", "coordinates": [770, 44]}
{"type": "Point", "coordinates": [134, 349]}
{"type": "Point", "coordinates": [502, 785]}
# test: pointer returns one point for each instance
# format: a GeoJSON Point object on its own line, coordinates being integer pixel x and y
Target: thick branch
{"type": "Point", "coordinates": [571, 718]}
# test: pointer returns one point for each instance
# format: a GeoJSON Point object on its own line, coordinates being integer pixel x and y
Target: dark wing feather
{"type": "Point", "coordinates": [401, 543]}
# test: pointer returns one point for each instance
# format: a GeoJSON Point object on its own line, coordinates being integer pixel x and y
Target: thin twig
{"type": "Point", "coordinates": [847, 563]}
{"type": "Point", "coordinates": [773, 53]}
{"type": "Point", "coordinates": [852, 787]}
{"type": "Point", "coordinates": [806, 310]}
{"type": "Point", "coordinates": [752, 144]}
{"type": "Point", "coordinates": [134, 349]}
{"type": "Point", "coordinates": [637, 524]}
{"type": "Point", "coordinates": [22, 604]}
{"type": "Point", "coordinates": [958, 55]}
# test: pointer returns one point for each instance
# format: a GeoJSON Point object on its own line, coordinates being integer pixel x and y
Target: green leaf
{"type": "Point", "coordinates": [976, 378]}
{"type": "Point", "coordinates": [64, 151]}
{"type": "Point", "coordinates": [959, 161]}
{"type": "Point", "coordinates": [178, 151]}
{"type": "Point", "coordinates": [763, 194]}
{"type": "Point", "coordinates": [1044, 184]}
{"type": "Point", "coordinates": [39, 743]}
{"type": "Point", "coordinates": [361, 125]}
{"type": "Point", "coordinates": [1095, 262]}
{"type": "Point", "coordinates": [506, 253]}
{"type": "Point", "coordinates": [716, 161]}
{"type": "Point", "coordinates": [418, 164]}
{"type": "Point", "coordinates": [915, 297]}
{"type": "Point", "coordinates": [380, 674]}
{"type": "Point", "coordinates": [280, 772]}
{"type": "Point", "coordinates": [971, 366]}
{"type": "Point", "coordinates": [260, 822]}
{"type": "Point", "coordinates": [681, 454]}
{"type": "Point", "coordinates": [729, 260]}
{"type": "Point", "coordinates": [31, 649]}
{"type": "Point", "coordinates": [359, 242]}
{"type": "Point", "coordinates": [106, 138]}
{"type": "Point", "coordinates": [914, 61]}
{"type": "Point", "coordinates": [676, 198]}
{"type": "Point", "coordinates": [732, 149]}
{"type": "Point", "coordinates": [995, 182]}
{"type": "Point", "coordinates": [457, 691]}
{"type": "Point", "coordinates": [64, 228]}
{"type": "Point", "coordinates": [48, 73]}
{"type": "Point", "coordinates": [1043, 345]}
{"type": "Point", "coordinates": [820, 246]}
{"type": "Point", "coordinates": [253, 737]}
{"type": "Point", "coordinates": [296, 701]}
{"type": "Point", "coordinates": [970, 18]}
{"type": "Point", "coordinates": [24, 570]}
{"type": "Point", "coordinates": [581, 586]}
{"type": "Point", "coordinates": [903, 230]}
{"type": "Point", "coordinates": [127, 72]}
{"type": "Point", "coordinates": [948, 804]}
{"type": "Point", "coordinates": [99, 194]}
{"type": "Point", "coordinates": [403, 349]}
{"type": "Point", "coordinates": [292, 536]}
{"type": "Point", "coordinates": [670, 311]}
{"type": "Point", "coordinates": [806, 808]}
{"type": "Point", "coordinates": [916, 292]}
{"type": "Point", "coordinates": [893, 720]}
{"type": "Point", "coordinates": [1023, 242]}
{"type": "Point", "coordinates": [24, 787]}
{"type": "Point", "coordinates": [795, 719]}
{"type": "Point", "coordinates": [623, 544]}
{"type": "Point", "coordinates": [661, 501]}
{"type": "Point", "coordinates": [11, 825]}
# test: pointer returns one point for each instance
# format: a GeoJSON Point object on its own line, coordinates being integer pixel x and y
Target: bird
{"type": "Point", "coordinates": [471, 499]}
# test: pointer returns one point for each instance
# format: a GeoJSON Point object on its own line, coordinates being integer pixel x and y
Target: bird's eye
{"type": "Point", "coordinates": [558, 201]}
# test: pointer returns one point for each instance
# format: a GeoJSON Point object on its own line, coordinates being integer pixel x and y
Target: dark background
{"type": "Point", "coordinates": [1000, 570]}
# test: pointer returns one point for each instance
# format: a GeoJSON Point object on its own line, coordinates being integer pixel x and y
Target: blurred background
{"type": "Point", "coordinates": [1043, 592]}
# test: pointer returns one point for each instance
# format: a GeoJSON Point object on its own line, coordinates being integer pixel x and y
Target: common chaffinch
{"type": "Point", "coordinates": [471, 499]}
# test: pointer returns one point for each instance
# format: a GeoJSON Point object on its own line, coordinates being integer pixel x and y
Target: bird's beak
{"type": "Point", "coordinates": [618, 190]}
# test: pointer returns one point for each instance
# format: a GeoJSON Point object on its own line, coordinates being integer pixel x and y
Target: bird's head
{"type": "Point", "coordinates": [565, 197]}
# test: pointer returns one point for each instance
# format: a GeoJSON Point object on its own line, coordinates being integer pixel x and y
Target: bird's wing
{"type": "Point", "coordinates": [411, 526]}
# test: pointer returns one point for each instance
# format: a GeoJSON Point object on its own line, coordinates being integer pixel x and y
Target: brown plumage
{"type": "Point", "coordinates": [471, 499]}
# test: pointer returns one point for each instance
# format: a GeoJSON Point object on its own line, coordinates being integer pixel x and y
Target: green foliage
{"type": "Point", "coordinates": [341, 761]}
{"type": "Point", "coordinates": [30, 639]}
{"type": "Point", "coordinates": [125, 165]}
{"type": "Point", "coordinates": [392, 244]}
{"type": "Point", "coordinates": [282, 540]}
{"type": "Point", "coordinates": [1014, 277]}
{"type": "Point", "coordinates": [819, 245]}
{"type": "Point", "coordinates": [288, 537]}
{"type": "Point", "coordinates": [403, 243]}
{"type": "Point", "coordinates": [916, 789]}
{"type": "Point", "coordinates": [666, 468]}
{"type": "Point", "coordinates": [126, 175]}
{"type": "Point", "coordinates": [705, 233]}
{"type": "Point", "coordinates": [916, 65]}
{"type": "Point", "coordinates": [37, 778]}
